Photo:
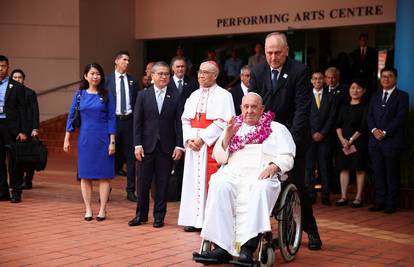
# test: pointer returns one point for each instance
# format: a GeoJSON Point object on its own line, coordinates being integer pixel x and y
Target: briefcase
{"type": "Point", "coordinates": [29, 155]}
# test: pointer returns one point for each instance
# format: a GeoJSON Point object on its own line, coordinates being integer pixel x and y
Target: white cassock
{"type": "Point", "coordinates": [217, 105]}
{"type": "Point", "coordinates": [239, 205]}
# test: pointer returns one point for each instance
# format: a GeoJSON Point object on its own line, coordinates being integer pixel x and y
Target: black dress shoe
{"type": "Point", "coordinates": [246, 256]}
{"type": "Point", "coordinates": [27, 185]}
{"type": "Point", "coordinates": [315, 242]}
{"type": "Point", "coordinates": [390, 210]}
{"type": "Point", "coordinates": [158, 223]}
{"type": "Point", "coordinates": [121, 173]}
{"type": "Point", "coordinates": [191, 229]}
{"type": "Point", "coordinates": [100, 218]}
{"type": "Point", "coordinates": [131, 197]}
{"type": "Point", "coordinates": [341, 202]}
{"type": "Point", "coordinates": [16, 198]}
{"type": "Point", "coordinates": [357, 204]}
{"type": "Point", "coordinates": [376, 208]}
{"type": "Point", "coordinates": [137, 221]}
{"type": "Point", "coordinates": [88, 218]}
{"type": "Point", "coordinates": [217, 255]}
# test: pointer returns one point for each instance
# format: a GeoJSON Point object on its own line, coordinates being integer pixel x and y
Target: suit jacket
{"type": "Point", "coordinates": [14, 108]}
{"type": "Point", "coordinates": [290, 101]}
{"type": "Point", "coordinates": [134, 87]}
{"type": "Point", "coordinates": [189, 86]}
{"type": "Point", "coordinates": [151, 126]}
{"type": "Point", "coordinates": [32, 110]}
{"type": "Point", "coordinates": [322, 119]}
{"type": "Point", "coordinates": [366, 67]}
{"type": "Point", "coordinates": [237, 94]}
{"type": "Point", "coordinates": [389, 118]}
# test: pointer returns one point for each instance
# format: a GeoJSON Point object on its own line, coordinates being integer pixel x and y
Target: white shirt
{"type": "Point", "coordinates": [158, 90]}
{"type": "Point", "coordinates": [278, 72]}
{"type": "Point", "coordinates": [176, 79]}
{"type": "Point", "coordinates": [315, 92]}
{"type": "Point", "coordinates": [389, 93]}
{"type": "Point", "coordinates": [244, 88]}
{"type": "Point", "coordinates": [118, 94]}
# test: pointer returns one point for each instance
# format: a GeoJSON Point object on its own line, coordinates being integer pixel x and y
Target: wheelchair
{"type": "Point", "coordinates": [287, 213]}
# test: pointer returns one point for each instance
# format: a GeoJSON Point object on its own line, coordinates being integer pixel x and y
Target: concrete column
{"type": "Point", "coordinates": [404, 52]}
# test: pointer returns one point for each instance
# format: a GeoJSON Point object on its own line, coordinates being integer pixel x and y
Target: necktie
{"type": "Point", "coordinates": [123, 96]}
{"type": "Point", "coordinates": [159, 100]}
{"type": "Point", "coordinates": [180, 86]}
{"type": "Point", "coordinates": [363, 53]}
{"type": "Point", "coordinates": [318, 99]}
{"type": "Point", "coordinates": [384, 99]}
{"type": "Point", "coordinates": [274, 79]}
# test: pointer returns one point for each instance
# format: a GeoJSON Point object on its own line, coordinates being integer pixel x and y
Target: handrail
{"type": "Point", "coordinates": [51, 90]}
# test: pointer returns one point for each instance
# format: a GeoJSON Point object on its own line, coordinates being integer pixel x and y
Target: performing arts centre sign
{"type": "Point", "coordinates": [219, 17]}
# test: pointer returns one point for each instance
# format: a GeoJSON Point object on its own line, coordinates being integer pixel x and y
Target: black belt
{"type": "Point", "coordinates": [124, 117]}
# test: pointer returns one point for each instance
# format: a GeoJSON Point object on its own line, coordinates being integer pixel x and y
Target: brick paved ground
{"type": "Point", "coordinates": [47, 229]}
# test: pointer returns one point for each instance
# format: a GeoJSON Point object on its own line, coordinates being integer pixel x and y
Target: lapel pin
{"type": "Point", "coordinates": [10, 86]}
{"type": "Point", "coordinates": [285, 75]}
{"type": "Point", "coordinates": [185, 83]}
{"type": "Point", "coordinates": [130, 82]}
{"type": "Point", "coordinates": [168, 96]}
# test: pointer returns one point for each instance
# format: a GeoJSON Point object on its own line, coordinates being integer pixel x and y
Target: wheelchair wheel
{"type": "Point", "coordinates": [267, 257]}
{"type": "Point", "coordinates": [290, 223]}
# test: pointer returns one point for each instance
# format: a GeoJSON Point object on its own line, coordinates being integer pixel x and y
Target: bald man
{"type": "Point", "coordinates": [205, 115]}
{"type": "Point", "coordinates": [285, 87]}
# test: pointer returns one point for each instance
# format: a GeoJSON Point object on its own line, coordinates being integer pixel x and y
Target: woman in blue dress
{"type": "Point", "coordinates": [96, 140]}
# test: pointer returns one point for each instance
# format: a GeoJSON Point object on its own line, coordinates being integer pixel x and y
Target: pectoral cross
{"type": "Point", "coordinates": [198, 114]}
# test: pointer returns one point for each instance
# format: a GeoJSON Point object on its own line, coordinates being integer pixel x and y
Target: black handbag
{"type": "Point", "coordinates": [28, 156]}
{"type": "Point", "coordinates": [77, 120]}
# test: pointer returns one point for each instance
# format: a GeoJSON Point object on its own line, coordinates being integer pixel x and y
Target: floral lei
{"type": "Point", "coordinates": [261, 132]}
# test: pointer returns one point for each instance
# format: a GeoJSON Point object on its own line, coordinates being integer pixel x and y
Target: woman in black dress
{"type": "Point", "coordinates": [352, 151]}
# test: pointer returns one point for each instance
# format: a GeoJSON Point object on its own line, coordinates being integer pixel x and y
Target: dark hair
{"type": "Point", "coordinates": [360, 82]}
{"type": "Point", "coordinates": [85, 84]}
{"type": "Point", "coordinates": [174, 59]}
{"type": "Point", "coordinates": [4, 58]}
{"type": "Point", "coordinates": [391, 69]}
{"type": "Point", "coordinates": [121, 53]}
{"type": "Point", "coordinates": [18, 71]}
{"type": "Point", "coordinates": [363, 35]}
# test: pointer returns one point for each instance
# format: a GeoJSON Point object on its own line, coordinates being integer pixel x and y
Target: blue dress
{"type": "Point", "coordinates": [97, 123]}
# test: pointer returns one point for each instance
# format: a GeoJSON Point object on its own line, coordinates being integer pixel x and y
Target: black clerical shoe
{"type": "Point", "coordinates": [158, 223]}
{"type": "Point", "coordinates": [217, 255]}
{"type": "Point", "coordinates": [315, 242]}
{"type": "Point", "coordinates": [27, 185]}
{"type": "Point", "coordinates": [246, 256]}
{"type": "Point", "coordinates": [191, 229]}
{"type": "Point", "coordinates": [16, 198]}
{"type": "Point", "coordinates": [132, 197]}
{"type": "Point", "coordinates": [137, 221]}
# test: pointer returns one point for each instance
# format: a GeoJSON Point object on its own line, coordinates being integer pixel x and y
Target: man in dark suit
{"type": "Point", "coordinates": [12, 128]}
{"type": "Point", "coordinates": [285, 87]}
{"type": "Point", "coordinates": [364, 66]}
{"type": "Point", "coordinates": [322, 117]}
{"type": "Point", "coordinates": [124, 88]}
{"type": "Point", "coordinates": [386, 116]}
{"type": "Point", "coordinates": [241, 89]}
{"type": "Point", "coordinates": [32, 116]}
{"type": "Point", "coordinates": [158, 141]}
{"type": "Point", "coordinates": [185, 86]}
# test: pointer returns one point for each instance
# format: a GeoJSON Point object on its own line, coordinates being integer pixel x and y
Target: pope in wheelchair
{"type": "Point", "coordinates": [253, 150]}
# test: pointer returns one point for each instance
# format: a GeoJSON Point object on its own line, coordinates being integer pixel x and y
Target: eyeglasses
{"type": "Point", "coordinates": [165, 74]}
{"type": "Point", "coordinates": [204, 72]}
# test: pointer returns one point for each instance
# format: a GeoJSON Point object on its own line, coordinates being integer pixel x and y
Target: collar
{"type": "Point", "coordinates": [117, 74]}
{"type": "Point", "coordinates": [244, 87]}
{"type": "Point", "coordinates": [5, 79]}
{"type": "Point", "coordinates": [156, 89]}
{"type": "Point", "coordinates": [389, 91]}
{"type": "Point", "coordinates": [278, 69]}
{"type": "Point", "coordinates": [208, 88]}
{"type": "Point", "coordinates": [176, 79]}
{"type": "Point", "coordinates": [315, 91]}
